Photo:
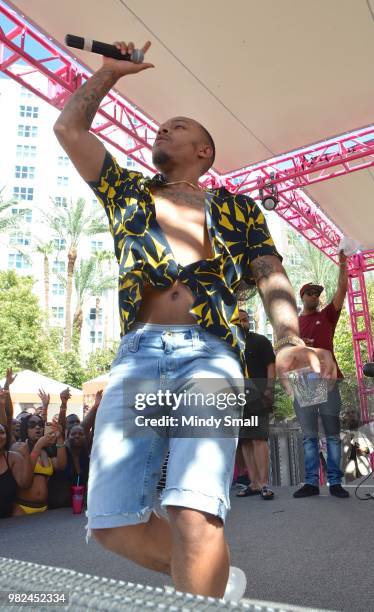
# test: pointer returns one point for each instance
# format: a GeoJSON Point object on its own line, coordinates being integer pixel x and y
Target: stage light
{"type": "Point", "coordinates": [270, 200]}
{"type": "Point", "coordinates": [269, 203]}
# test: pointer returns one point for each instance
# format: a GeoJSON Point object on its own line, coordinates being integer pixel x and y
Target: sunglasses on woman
{"type": "Point", "coordinates": [32, 424]}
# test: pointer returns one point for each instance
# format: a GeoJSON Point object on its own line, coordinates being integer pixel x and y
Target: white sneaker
{"type": "Point", "coordinates": [236, 584]}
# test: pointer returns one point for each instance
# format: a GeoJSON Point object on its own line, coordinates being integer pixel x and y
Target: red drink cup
{"type": "Point", "coordinates": [77, 496]}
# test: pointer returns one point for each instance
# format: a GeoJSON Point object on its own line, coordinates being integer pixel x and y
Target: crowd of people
{"type": "Point", "coordinates": [41, 455]}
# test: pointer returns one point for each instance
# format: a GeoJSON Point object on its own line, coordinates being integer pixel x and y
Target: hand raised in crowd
{"type": "Point", "coordinates": [57, 431]}
{"type": "Point", "coordinates": [98, 398]}
{"type": "Point", "coordinates": [4, 394]}
{"type": "Point", "coordinates": [22, 448]}
{"type": "Point", "coordinates": [342, 258]}
{"type": "Point", "coordinates": [45, 397]}
{"type": "Point", "coordinates": [9, 378]}
{"type": "Point", "coordinates": [48, 439]}
{"type": "Point", "coordinates": [65, 395]}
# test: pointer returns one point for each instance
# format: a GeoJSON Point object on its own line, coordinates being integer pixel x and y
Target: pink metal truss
{"type": "Point", "coordinates": [330, 159]}
{"type": "Point", "coordinates": [361, 322]}
{"type": "Point", "coordinates": [31, 59]}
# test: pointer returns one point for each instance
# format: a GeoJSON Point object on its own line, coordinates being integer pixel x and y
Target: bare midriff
{"type": "Point", "coordinates": [38, 492]}
{"type": "Point", "coordinates": [166, 307]}
{"type": "Point", "coordinates": [181, 216]}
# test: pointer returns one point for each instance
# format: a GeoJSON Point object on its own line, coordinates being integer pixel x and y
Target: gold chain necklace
{"type": "Point", "coordinates": [196, 187]}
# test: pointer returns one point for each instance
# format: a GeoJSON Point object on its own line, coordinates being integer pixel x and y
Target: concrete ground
{"type": "Point", "coordinates": [315, 552]}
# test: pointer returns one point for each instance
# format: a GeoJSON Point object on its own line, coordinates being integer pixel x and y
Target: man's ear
{"type": "Point", "coordinates": [205, 151]}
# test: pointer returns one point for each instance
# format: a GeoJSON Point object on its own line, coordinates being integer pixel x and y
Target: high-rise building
{"type": "Point", "coordinates": [35, 172]}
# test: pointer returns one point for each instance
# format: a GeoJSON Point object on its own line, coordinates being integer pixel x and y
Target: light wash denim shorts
{"type": "Point", "coordinates": [127, 460]}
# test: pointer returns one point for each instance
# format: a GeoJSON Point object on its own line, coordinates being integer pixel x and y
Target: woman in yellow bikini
{"type": "Point", "coordinates": [34, 498]}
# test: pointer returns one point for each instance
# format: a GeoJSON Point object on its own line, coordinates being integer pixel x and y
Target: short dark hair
{"type": "Point", "coordinates": [211, 144]}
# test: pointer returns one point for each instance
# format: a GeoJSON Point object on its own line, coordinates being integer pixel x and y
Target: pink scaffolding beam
{"type": "Point", "coordinates": [321, 162]}
{"type": "Point", "coordinates": [35, 62]}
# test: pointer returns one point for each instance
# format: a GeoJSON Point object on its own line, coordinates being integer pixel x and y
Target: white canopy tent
{"type": "Point", "coordinates": [25, 390]}
{"type": "Point", "coordinates": [264, 77]}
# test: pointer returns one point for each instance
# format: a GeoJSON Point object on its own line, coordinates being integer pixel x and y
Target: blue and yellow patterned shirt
{"type": "Point", "coordinates": [238, 234]}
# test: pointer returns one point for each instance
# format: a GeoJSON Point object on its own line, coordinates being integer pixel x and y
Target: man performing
{"type": "Point", "coordinates": [182, 253]}
{"type": "Point", "coordinates": [317, 328]}
{"type": "Point", "coordinates": [260, 361]}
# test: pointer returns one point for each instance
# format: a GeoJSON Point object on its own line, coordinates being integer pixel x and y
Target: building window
{"type": "Point", "coordinates": [23, 193]}
{"type": "Point", "coordinates": [295, 259]}
{"type": "Point", "coordinates": [60, 244]}
{"type": "Point", "coordinates": [25, 151]}
{"type": "Point", "coordinates": [93, 314]}
{"type": "Point", "coordinates": [63, 181]}
{"type": "Point", "coordinates": [18, 261]}
{"type": "Point", "coordinates": [252, 322]}
{"type": "Point", "coordinates": [23, 238]}
{"type": "Point", "coordinates": [61, 202]}
{"type": "Point", "coordinates": [58, 266]}
{"type": "Point", "coordinates": [96, 245]}
{"type": "Point", "coordinates": [130, 162]}
{"type": "Point", "coordinates": [27, 131]}
{"type": "Point", "coordinates": [26, 212]}
{"type": "Point", "coordinates": [96, 338]}
{"type": "Point", "coordinates": [63, 160]}
{"type": "Point", "coordinates": [57, 312]}
{"type": "Point", "coordinates": [25, 93]}
{"type": "Point", "coordinates": [31, 112]}
{"type": "Point", "coordinates": [58, 289]}
{"type": "Point", "coordinates": [24, 172]}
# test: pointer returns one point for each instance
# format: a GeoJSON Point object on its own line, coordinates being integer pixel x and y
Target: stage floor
{"type": "Point", "coordinates": [316, 552]}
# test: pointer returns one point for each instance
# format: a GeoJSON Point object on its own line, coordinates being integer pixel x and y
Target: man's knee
{"type": "Point", "coordinates": [192, 528]}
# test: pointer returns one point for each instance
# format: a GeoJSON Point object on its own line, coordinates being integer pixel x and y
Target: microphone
{"type": "Point", "coordinates": [87, 44]}
{"type": "Point", "coordinates": [368, 369]}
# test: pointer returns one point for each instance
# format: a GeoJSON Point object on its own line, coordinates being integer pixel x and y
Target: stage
{"type": "Point", "coordinates": [308, 552]}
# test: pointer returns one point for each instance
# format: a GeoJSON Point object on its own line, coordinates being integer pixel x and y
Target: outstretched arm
{"type": "Point", "coordinates": [279, 301]}
{"type": "Point", "coordinates": [72, 127]}
{"type": "Point", "coordinates": [341, 291]}
{"type": "Point", "coordinates": [277, 295]}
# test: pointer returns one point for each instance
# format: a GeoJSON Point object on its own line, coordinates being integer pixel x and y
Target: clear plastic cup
{"type": "Point", "coordinates": [77, 497]}
{"type": "Point", "coordinates": [308, 387]}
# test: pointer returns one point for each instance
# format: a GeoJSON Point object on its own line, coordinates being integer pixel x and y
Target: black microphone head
{"type": "Point", "coordinates": [74, 41]}
{"type": "Point", "coordinates": [368, 369]}
{"type": "Point", "coordinates": [137, 56]}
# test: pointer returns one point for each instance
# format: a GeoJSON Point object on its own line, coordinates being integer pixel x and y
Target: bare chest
{"type": "Point", "coordinates": [182, 219]}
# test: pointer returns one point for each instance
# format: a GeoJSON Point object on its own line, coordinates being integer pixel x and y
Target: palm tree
{"type": "Point", "coordinates": [106, 280]}
{"type": "Point", "coordinates": [8, 221]}
{"type": "Point", "coordinates": [311, 266]}
{"type": "Point", "coordinates": [46, 249]}
{"type": "Point", "coordinates": [88, 280]}
{"type": "Point", "coordinates": [72, 224]}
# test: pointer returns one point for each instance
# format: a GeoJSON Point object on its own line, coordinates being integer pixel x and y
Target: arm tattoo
{"type": "Point", "coordinates": [262, 268]}
{"type": "Point", "coordinates": [277, 295]}
{"type": "Point", "coordinates": [82, 107]}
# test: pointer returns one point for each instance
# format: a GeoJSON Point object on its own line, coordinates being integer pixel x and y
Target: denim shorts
{"type": "Point", "coordinates": [126, 461]}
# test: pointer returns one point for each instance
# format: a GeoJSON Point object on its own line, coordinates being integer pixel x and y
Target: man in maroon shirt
{"type": "Point", "coordinates": [317, 328]}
